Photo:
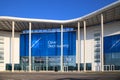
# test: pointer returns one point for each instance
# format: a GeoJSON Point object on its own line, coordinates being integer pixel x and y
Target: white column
{"type": "Point", "coordinates": [102, 48]}
{"type": "Point", "coordinates": [78, 56]}
{"type": "Point", "coordinates": [13, 26]}
{"type": "Point", "coordinates": [46, 63]}
{"type": "Point", "coordinates": [61, 59]}
{"type": "Point", "coordinates": [84, 45]}
{"type": "Point", "coordinates": [29, 46]}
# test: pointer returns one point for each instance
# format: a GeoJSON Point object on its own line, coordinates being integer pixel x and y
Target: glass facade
{"type": "Point", "coordinates": [97, 47]}
{"type": "Point", "coordinates": [45, 48]}
{"type": "Point", "coordinates": [1, 49]}
{"type": "Point", "coordinates": [112, 52]}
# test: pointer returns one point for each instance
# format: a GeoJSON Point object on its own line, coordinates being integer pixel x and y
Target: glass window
{"type": "Point", "coordinates": [1, 49]}
{"type": "Point", "coordinates": [81, 66]}
{"type": "Point", "coordinates": [88, 66]}
{"type": "Point", "coordinates": [112, 51]}
{"type": "Point", "coordinates": [96, 47]}
{"type": "Point", "coordinates": [96, 34]}
{"type": "Point", "coordinates": [1, 42]}
{"type": "Point", "coordinates": [97, 39]}
{"type": "Point", "coordinates": [1, 56]}
{"type": "Point", "coordinates": [8, 66]}
{"type": "Point", "coordinates": [97, 60]}
{"type": "Point", "coordinates": [97, 56]}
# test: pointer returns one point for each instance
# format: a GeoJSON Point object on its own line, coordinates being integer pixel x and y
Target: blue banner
{"type": "Point", "coordinates": [112, 44]}
{"type": "Point", "coordinates": [48, 44]}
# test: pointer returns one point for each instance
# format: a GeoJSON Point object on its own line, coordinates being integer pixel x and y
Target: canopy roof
{"type": "Point", "coordinates": [111, 13]}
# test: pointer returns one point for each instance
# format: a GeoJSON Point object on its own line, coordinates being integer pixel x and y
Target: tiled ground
{"type": "Point", "coordinates": [59, 76]}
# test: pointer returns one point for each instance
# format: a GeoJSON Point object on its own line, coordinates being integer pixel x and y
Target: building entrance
{"type": "Point", "coordinates": [65, 68]}
{"type": "Point", "coordinates": [109, 67]}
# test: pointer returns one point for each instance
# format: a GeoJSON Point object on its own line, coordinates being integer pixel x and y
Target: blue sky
{"type": "Point", "coordinates": [50, 9]}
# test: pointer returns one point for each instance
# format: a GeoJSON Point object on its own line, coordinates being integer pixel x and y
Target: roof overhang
{"type": "Point", "coordinates": [111, 13]}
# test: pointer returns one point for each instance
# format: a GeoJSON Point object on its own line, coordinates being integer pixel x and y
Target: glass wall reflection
{"type": "Point", "coordinates": [46, 50]}
{"type": "Point", "coordinates": [112, 52]}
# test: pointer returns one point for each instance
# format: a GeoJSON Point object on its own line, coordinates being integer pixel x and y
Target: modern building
{"type": "Point", "coordinates": [88, 43]}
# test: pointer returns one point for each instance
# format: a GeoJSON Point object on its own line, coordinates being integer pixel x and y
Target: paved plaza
{"type": "Point", "coordinates": [59, 76]}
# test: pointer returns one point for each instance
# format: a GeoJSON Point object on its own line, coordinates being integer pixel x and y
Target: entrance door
{"type": "Point", "coordinates": [112, 67]}
{"type": "Point", "coordinates": [27, 68]}
{"type": "Point", "coordinates": [65, 68]}
{"type": "Point", "coordinates": [97, 68]}
{"type": "Point", "coordinates": [37, 68]}
{"type": "Point", "coordinates": [109, 67]}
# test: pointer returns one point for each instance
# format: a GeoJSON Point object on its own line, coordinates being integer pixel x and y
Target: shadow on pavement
{"type": "Point", "coordinates": [74, 79]}
{"type": "Point", "coordinates": [115, 78]}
